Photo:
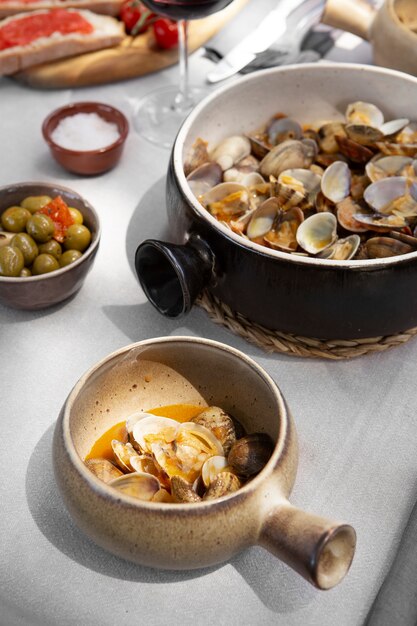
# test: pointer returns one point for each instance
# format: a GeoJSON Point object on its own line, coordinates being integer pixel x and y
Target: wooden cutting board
{"type": "Point", "coordinates": [135, 56]}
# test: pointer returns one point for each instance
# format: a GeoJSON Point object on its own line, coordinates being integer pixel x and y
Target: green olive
{"type": "Point", "coordinates": [34, 203]}
{"type": "Point", "coordinates": [51, 247]}
{"type": "Point", "coordinates": [14, 219]}
{"type": "Point", "coordinates": [11, 261]}
{"type": "Point", "coordinates": [77, 237]}
{"type": "Point", "coordinates": [69, 257]}
{"type": "Point", "coordinates": [40, 227]}
{"type": "Point", "coordinates": [44, 263]}
{"type": "Point", "coordinates": [76, 215]}
{"type": "Point", "coordinates": [26, 245]}
{"type": "Point", "coordinates": [25, 273]}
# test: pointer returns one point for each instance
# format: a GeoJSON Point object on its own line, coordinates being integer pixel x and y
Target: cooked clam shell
{"type": "Point", "coordinates": [219, 423]}
{"type": "Point", "coordinates": [327, 136]}
{"type": "Point", "coordinates": [364, 113]}
{"type": "Point", "coordinates": [342, 249]}
{"type": "Point", "coordinates": [386, 167]}
{"type": "Point", "coordinates": [353, 150]}
{"type": "Point", "coordinates": [286, 155]}
{"type": "Point", "coordinates": [138, 485]}
{"type": "Point", "coordinates": [224, 484]}
{"type": "Point", "coordinates": [213, 466]}
{"type": "Point", "coordinates": [393, 126]}
{"type": "Point", "coordinates": [382, 247]}
{"type": "Point", "coordinates": [346, 210]}
{"type": "Point", "coordinates": [226, 200]}
{"type": "Point", "coordinates": [154, 429]}
{"type": "Point", "coordinates": [230, 151]}
{"type": "Point", "coordinates": [283, 234]}
{"type": "Point", "coordinates": [317, 232]}
{"type": "Point", "coordinates": [363, 134]}
{"type": "Point", "coordinates": [283, 128]}
{"type": "Point", "coordinates": [377, 222]}
{"type": "Point", "coordinates": [396, 195]}
{"type": "Point", "coordinates": [335, 182]}
{"type": "Point", "coordinates": [123, 452]}
{"type": "Point", "coordinates": [204, 178]}
{"type": "Point", "coordinates": [263, 218]}
{"type": "Point", "coordinates": [250, 454]}
{"type": "Point", "coordinates": [182, 491]}
{"type": "Point", "coordinates": [103, 469]}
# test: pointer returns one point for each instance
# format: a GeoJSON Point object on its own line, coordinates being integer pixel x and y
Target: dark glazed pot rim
{"type": "Point", "coordinates": [177, 162]}
{"type": "Point", "coordinates": [62, 270]}
{"type": "Point", "coordinates": [286, 430]}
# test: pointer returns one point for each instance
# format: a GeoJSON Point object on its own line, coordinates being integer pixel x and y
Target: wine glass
{"type": "Point", "coordinates": [158, 115]}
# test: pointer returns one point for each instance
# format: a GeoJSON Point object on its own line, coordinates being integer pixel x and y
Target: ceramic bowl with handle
{"type": "Point", "coordinates": [172, 370]}
{"type": "Point", "coordinates": [391, 29]}
{"type": "Point", "coordinates": [306, 296]}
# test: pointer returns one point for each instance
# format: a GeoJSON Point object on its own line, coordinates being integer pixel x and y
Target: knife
{"type": "Point", "coordinates": [271, 28]}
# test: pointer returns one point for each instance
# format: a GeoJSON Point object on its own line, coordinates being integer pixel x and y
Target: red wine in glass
{"type": "Point", "coordinates": [159, 115]}
{"type": "Point", "coordinates": [186, 9]}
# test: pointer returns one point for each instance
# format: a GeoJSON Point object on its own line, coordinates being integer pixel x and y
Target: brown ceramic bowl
{"type": "Point", "coordinates": [92, 161]}
{"type": "Point", "coordinates": [177, 370]}
{"type": "Point", "coordinates": [39, 292]}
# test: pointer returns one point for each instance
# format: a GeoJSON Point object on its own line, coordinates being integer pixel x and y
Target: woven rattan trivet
{"type": "Point", "coordinates": [275, 341]}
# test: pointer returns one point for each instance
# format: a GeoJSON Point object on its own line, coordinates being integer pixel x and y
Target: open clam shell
{"type": "Point", "coordinates": [335, 182]}
{"type": "Point", "coordinates": [364, 113]}
{"type": "Point", "coordinates": [317, 232]}
{"type": "Point", "coordinates": [394, 195]}
{"type": "Point", "coordinates": [230, 151]}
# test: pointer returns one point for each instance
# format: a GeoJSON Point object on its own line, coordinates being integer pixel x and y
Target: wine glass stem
{"type": "Point", "coordinates": [182, 101]}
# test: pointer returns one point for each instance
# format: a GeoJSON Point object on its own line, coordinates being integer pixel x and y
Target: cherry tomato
{"type": "Point", "coordinates": [166, 32]}
{"type": "Point", "coordinates": [135, 16]}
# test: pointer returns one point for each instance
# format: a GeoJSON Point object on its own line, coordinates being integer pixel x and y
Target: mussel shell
{"type": "Point", "coordinates": [250, 454]}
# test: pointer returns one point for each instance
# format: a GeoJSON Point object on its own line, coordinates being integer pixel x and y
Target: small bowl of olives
{"type": "Point", "coordinates": [49, 236]}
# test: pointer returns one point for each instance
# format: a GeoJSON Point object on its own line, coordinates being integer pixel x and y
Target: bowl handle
{"type": "Point", "coordinates": [171, 275]}
{"type": "Point", "coordinates": [317, 548]}
{"type": "Point", "coordinates": [354, 16]}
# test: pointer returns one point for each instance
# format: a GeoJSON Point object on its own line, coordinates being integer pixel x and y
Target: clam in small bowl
{"type": "Point", "coordinates": [84, 161]}
{"type": "Point", "coordinates": [44, 290]}
{"type": "Point", "coordinates": [191, 371]}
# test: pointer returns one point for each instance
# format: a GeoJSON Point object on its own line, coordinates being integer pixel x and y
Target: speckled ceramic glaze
{"type": "Point", "coordinates": [388, 29]}
{"type": "Point", "coordinates": [302, 295]}
{"type": "Point", "coordinates": [174, 370]}
{"type": "Point", "coordinates": [39, 292]}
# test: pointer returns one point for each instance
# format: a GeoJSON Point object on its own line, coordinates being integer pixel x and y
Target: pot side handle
{"type": "Point", "coordinates": [171, 275]}
{"type": "Point", "coordinates": [317, 548]}
{"type": "Point", "coordinates": [353, 16]}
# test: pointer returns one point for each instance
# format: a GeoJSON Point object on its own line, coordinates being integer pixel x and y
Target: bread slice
{"type": "Point", "coordinates": [107, 32]}
{"type": "Point", "coordinates": [106, 7]}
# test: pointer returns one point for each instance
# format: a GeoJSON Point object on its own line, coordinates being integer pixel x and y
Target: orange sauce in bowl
{"type": "Point", "coordinates": [102, 449]}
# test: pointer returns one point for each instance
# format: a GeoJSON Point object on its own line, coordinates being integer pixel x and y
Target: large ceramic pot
{"type": "Point", "coordinates": [308, 296]}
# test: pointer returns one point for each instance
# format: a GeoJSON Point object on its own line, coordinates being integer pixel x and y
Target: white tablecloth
{"type": "Point", "coordinates": [356, 420]}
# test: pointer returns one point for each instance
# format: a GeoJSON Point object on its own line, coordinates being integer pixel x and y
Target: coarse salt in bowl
{"type": "Point", "coordinates": [86, 137]}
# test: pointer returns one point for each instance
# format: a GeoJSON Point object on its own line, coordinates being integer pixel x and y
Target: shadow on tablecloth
{"type": "Point", "coordinates": [279, 588]}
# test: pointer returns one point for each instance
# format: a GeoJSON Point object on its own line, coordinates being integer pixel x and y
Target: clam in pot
{"type": "Point", "coordinates": [313, 296]}
{"type": "Point", "coordinates": [180, 370]}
